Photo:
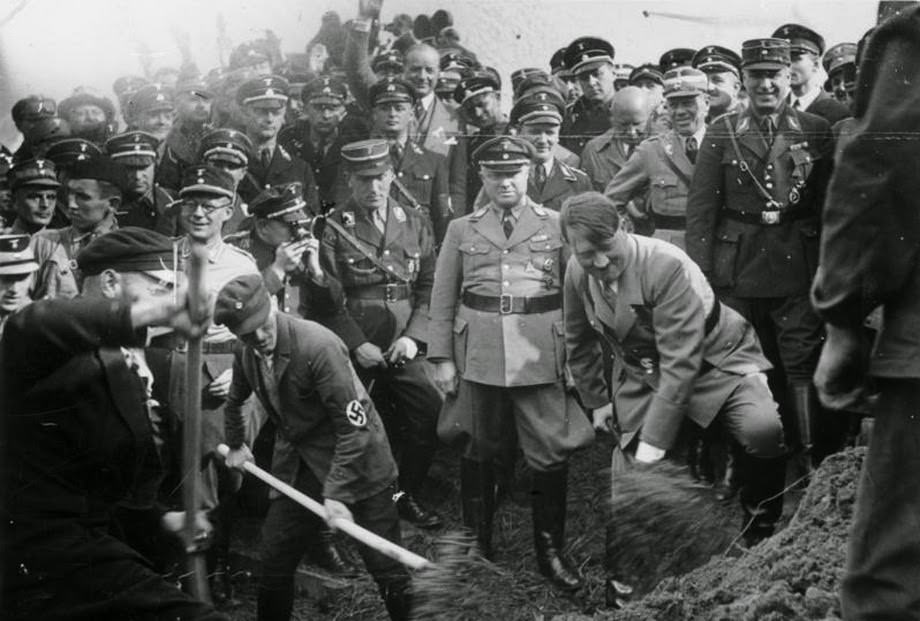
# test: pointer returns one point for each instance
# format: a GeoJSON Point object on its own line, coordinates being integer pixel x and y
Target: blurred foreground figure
{"type": "Point", "coordinates": [869, 257]}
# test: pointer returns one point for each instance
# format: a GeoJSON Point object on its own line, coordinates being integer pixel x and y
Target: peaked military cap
{"type": "Point", "coordinates": [367, 157]}
{"type": "Point", "coordinates": [127, 84]}
{"type": "Point", "coordinates": [457, 61]}
{"type": "Point", "coordinates": [557, 64]}
{"type": "Point", "coordinates": [391, 60]}
{"type": "Point", "coordinates": [447, 83]}
{"type": "Point", "coordinates": [284, 202]}
{"type": "Point", "coordinates": [678, 57]}
{"type": "Point", "coordinates": [765, 54]}
{"type": "Point", "coordinates": [243, 305]}
{"type": "Point", "coordinates": [390, 90]}
{"type": "Point", "coordinates": [33, 107]}
{"type": "Point", "coordinates": [194, 85]}
{"type": "Point", "coordinates": [16, 255]}
{"type": "Point", "coordinates": [801, 39]}
{"type": "Point", "coordinates": [128, 249]}
{"type": "Point", "coordinates": [207, 179]}
{"type": "Point", "coordinates": [685, 82]}
{"type": "Point", "coordinates": [265, 91]}
{"type": "Point", "coordinates": [477, 83]}
{"type": "Point", "coordinates": [151, 97]}
{"type": "Point", "coordinates": [325, 90]}
{"type": "Point", "coordinates": [839, 56]}
{"type": "Point", "coordinates": [226, 144]}
{"type": "Point", "coordinates": [36, 172]}
{"type": "Point", "coordinates": [66, 152]}
{"type": "Point", "coordinates": [519, 75]}
{"type": "Point", "coordinates": [100, 168]}
{"type": "Point", "coordinates": [717, 59]}
{"type": "Point", "coordinates": [586, 53]}
{"type": "Point", "coordinates": [551, 87]}
{"type": "Point", "coordinates": [648, 71]}
{"type": "Point", "coordinates": [504, 153]}
{"type": "Point", "coordinates": [133, 148]}
{"type": "Point", "coordinates": [537, 108]}
{"type": "Point", "coordinates": [622, 71]}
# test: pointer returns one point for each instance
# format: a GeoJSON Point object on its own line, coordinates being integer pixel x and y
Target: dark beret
{"type": "Point", "coordinates": [130, 249]}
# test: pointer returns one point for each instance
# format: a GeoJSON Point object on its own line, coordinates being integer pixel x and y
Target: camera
{"type": "Point", "coordinates": [308, 228]}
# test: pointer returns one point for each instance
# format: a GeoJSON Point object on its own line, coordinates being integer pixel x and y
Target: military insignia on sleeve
{"type": "Point", "coordinates": [399, 214]}
{"type": "Point", "coordinates": [348, 218]}
{"type": "Point", "coordinates": [355, 414]}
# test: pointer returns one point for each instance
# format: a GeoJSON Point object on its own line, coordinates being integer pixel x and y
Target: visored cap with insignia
{"type": "Point", "coordinates": [557, 64]}
{"type": "Point", "coordinates": [519, 75]}
{"type": "Point", "coordinates": [622, 71]}
{"type": "Point", "coordinates": [456, 61]}
{"type": "Point", "coordinates": [391, 61]}
{"type": "Point", "coordinates": [367, 157]}
{"type": "Point", "coordinates": [194, 85]}
{"type": "Point", "coordinates": [207, 179]}
{"type": "Point", "coordinates": [151, 98]}
{"type": "Point", "coordinates": [447, 82]}
{"type": "Point", "coordinates": [678, 57]}
{"type": "Point", "coordinates": [476, 84]}
{"type": "Point", "coordinates": [390, 90]}
{"type": "Point", "coordinates": [226, 144]}
{"type": "Point", "coordinates": [717, 59]}
{"type": "Point", "coordinates": [267, 91]}
{"type": "Point", "coordinates": [16, 256]}
{"type": "Point", "coordinates": [33, 108]}
{"type": "Point", "coordinates": [283, 202]}
{"type": "Point", "coordinates": [765, 54]}
{"type": "Point", "coordinates": [128, 249]}
{"type": "Point", "coordinates": [648, 71]}
{"type": "Point", "coordinates": [243, 305]}
{"type": "Point", "coordinates": [37, 172]}
{"type": "Point", "coordinates": [325, 90]}
{"type": "Point", "coordinates": [541, 82]}
{"type": "Point", "coordinates": [839, 56]}
{"type": "Point", "coordinates": [586, 53]}
{"type": "Point", "coordinates": [685, 82]}
{"type": "Point", "coordinates": [68, 151]}
{"type": "Point", "coordinates": [537, 108]}
{"type": "Point", "coordinates": [801, 39]}
{"type": "Point", "coordinates": [504, 153]}
{"type": "Point", "coordinates": [134, 148]}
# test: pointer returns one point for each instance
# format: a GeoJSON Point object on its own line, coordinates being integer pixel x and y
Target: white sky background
{"type": "Point", "coordinates": [51, 46]}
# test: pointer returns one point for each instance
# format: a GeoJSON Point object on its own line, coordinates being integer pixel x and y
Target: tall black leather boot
{"type": "Point", "coordinates": [616, 593]}
{"type": "Point", "coordinates": [477, 490]}
{"type": "Point", "coordinates": [549, 504]}
{"type": "Point", "coordinates": [397, 597]}
{"type": "Point", "coordinates": [761, 496]}
{"type": "Point", "coordinates": [413, 468]}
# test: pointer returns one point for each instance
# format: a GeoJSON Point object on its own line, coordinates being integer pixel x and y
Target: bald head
{"type": "Point", "coordinates": [422, 64]}
{"type": "Point", "coordinates": [629, 112]}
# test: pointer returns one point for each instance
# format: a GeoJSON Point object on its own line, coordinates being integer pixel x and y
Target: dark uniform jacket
{"type": "Point", "coordinates": [180, 151]}
{"type": "Point", "coordinates": [583, 122]}
{"type": "Point", "coordinates": [747, 245]}
{"type": "Point", "coordinates": [424, 176]}
{"type": "Point", "coordinates": [283, 168]}
{"type": "Point", "coordinates": [319, 407]}
{"type": "Point", "coordinates": [149, 211]}
{"type": "Point", "coordinates": [562, 182]}
{"type": "Point", "coordinates": [827, 107]}
{"type": "Point", "coordinates": [666, 329]}
{"type": "Point", "coordinates": [406, 256]}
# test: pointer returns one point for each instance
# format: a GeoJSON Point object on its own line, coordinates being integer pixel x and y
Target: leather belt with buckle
{"type": "Point", "coordinates": [507, 304]}
{"type": "Point", "coordinates": [390, 292]}
{"type": "Point", "coordinates": [768, 217]}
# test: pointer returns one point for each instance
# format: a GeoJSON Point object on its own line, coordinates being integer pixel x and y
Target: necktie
{"type": "Point", "coordinates": [507, 224]}
{"type": "Point", "coordinates": [768, 130]}
{"type": "Point", "coordinates": [379, 222]}
{"type": "Point", "coordinates": [419, 110]}
{"type": "Point", "coordinates": [692, 148]}
{"type": "Point", "coordinates": [266, 157]}
{"type": "Point", "coordinates": [539, 176]}
{"type": "Point", "coordinates": [629, 150]}
{"type": "Point", "coordinates": [396, 154]}
{"type": "Point", "coordinates": [797, 104]}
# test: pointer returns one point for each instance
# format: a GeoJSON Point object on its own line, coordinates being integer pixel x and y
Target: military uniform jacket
{"type": "Point", "coordinates": [319, 407]}
{"type": "Point", "coordinates": [283, 168]}
{"type": "Point", "coordinates": [150, 211]}
{"type": "Point", "coordinates": [406, 250]}
{"type": "Point", "coordinates": [562, 182]}
{"type": "Point", "coordinates": [437, 129]}
{"type": "Point", "coordinates": [494, 348]}
{"type": "Point", "coordinates": [583, 122]}
{"type": "Point", "coordinates": [424, 174]}
{"type": "Point", "coordinates": [666, 329]}
{"type": "Point", "coordinates": [602, 159]}
{"type": "Point", "coordinates": [827, 107]}
{"type": "Point", "coordinates": [180, 151]}
{"type": "Point", "coordinates": [755, 259]}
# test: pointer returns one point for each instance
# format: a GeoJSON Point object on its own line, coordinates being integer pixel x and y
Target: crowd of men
{"type": "Point", "coordinates": [394, 265]}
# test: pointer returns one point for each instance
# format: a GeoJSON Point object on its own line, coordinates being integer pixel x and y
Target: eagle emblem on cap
{"type": "Point", "coordinates": [390, 88]}
{"type": "Point", "coordinates": [541, 96]}
{"type": "Point", "coordinates": [585, 57]}
{"type": "Point", "coordinates": [270, 92]}
{"type": "Point", "coordinates": [327, 91]}
{"type": "Point", "coordinates": [238, 306]}
{"type": "Point", "coordinates": [40, 164]}
{"type": "Point", "coordinates": [160, 97]}
{"type": "Point", "coordinates": [268, 81]}
{"type": "Point", "coordinates": [15, 243]}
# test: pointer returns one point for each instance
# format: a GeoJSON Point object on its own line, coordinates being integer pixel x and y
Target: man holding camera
{"type": "Point", "coordinates": [382, 256]}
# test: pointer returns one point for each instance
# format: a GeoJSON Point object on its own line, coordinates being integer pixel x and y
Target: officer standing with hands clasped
{"type": "Point", "coordinates": [302, 375]}
{"type": "Point", "coordinates": [496, 338]}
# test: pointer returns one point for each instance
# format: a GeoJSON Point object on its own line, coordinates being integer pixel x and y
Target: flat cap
{"type": "Point", "coordinates": [677, 57]}
{"type": "Point", "coordinates": [283, 202]}
{"type": "Point", "coordinates": [100, 168]}
{"type": "Point", "coordinates": [685, 82]}
{"type": "Point", "coordinates": [64, 153]}
{"type": "Point", "coordinates": [765, 54]}
{"type": "Point", "coordinates": [36, 172]}
{"type": "Point", "coordinates": [151, 98]}
{"type": "Point", "coordinates": [265, 91]}
{"type": "Point", "coordinates": [325, 90]}
{"type": "Point", "coordinates": [243, 305]}
{"type": "Point", "coordinates": [33, 107]}
{"type": "Point", "coordinates": [367, 157]}
{"type": "Point", "coordinates": [717, 59]}
{"type": "Point", "coordinates": [133, 148]}
{"type": "Point", "coordinates": [647, 71]}
{"type": "Point", "coordinates": [504, 153]}
{"type": "Point", "coordinates": [129, 249]}
{"type": "Point", "coordinates": [226, 144]}
{"type": "Point", "coordinates": [537, 108]}
{"type": "Point", "coordinates": [586, 53]}
{"type": "Point", "coordinates": [16, 255]}
{"type": "Point", "coordinates": [391, 61]}
{"type": "Point", "coordinates": [839, 56]}
{"type": "Point", "coordinates": [557, 63]}
{"type": "Point", "coordinates": [207, 179]}
{"type": "Point", "coordinates": [478, 83]}
{"type": "Point", "coordinates": [390, 90]}
{"type": "Point", "coordinates": [801, 39]}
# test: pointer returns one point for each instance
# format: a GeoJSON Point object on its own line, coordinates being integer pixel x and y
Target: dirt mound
{"type": "Point", "coordinates": [795, 574]}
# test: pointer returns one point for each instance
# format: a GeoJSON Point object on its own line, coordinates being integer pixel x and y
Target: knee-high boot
{"type": "Point", "coordinates": [549, 505]}
{"type": "Point", "coordinates": [477, 490]}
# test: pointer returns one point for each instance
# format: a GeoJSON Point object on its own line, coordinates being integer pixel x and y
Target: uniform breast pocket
{"type": "Point", "coordinates": [420, 186]}
{"type": "Point", "coordinates": [725, 258]}
{"type": "Point", "coordinates": [545, 254]}
{"type": "Point", "coordinates": [666, 195]}
{"type": "Point", "coordinates": [476, 256]}
{"type": "Point", "coordinates": [356, 265]}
